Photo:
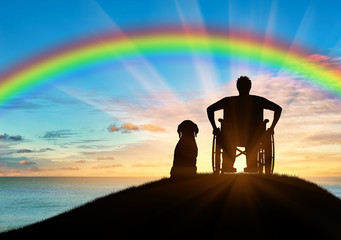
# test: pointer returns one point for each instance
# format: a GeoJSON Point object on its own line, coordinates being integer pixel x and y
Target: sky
{"type": "Point", "coordinates": [120, 119]}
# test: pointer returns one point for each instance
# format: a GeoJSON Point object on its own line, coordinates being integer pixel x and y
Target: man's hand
{"type": "Point", "coordinates": [216, 131]}
{"type": "Point", "coordinates": [270, 131]}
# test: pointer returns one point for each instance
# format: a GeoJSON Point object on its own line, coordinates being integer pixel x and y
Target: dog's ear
{"type": "Point", "coordinates": [196, 130]}
{"type": "Point", "coordinates": [179, 130]}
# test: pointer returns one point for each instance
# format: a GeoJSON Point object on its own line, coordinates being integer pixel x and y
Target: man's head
{"type": "Point", "coordinates": [243, 85]}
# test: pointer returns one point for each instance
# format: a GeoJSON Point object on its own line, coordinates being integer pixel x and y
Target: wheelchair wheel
{"type": "Point", "coordinates": [216, 156]}
{"type": "Point", "coordinates": [266, 155]}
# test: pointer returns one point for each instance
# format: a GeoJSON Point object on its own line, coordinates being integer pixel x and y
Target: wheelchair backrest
{"type": "Point", "coordinates": [243, 118]}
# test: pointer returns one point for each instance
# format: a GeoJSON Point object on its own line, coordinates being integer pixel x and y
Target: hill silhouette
{"type": "Point", "coordinates": [205, 206]}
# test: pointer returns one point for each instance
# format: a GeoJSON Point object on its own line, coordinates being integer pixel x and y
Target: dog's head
{"type": "Point", "coordinates": [188, 127]}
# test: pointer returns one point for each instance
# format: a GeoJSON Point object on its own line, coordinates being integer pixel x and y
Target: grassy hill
{"type": "Point", "coordinates": [205, 206]}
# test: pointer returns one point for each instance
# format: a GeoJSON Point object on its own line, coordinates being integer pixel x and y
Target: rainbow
{"type": "Point", "coordinates": [168, 41]}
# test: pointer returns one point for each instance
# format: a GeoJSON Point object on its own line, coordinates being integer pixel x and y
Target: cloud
{"type": "Point", "coordinates": [323, 60]}
{"type": "Point", "coordinates": [26, 162]}
{"type": "Point", "coordinates": [58, 134]}
{"type": "Point", "coordinates": [108, 166]}
{"type": "Point", "coordinates": [24, 151]}
{"type": "Point", "coordinates": [69, 168]}
{"type": "Point", "coordinates": [127, 127]}
{"type": "Point", "coordinates": [325, 138]}
{"type": "Point", "coordinates": [12, 162]}
{"type": "Point", "coordinates": [318, 58]}
{"type": "Point", "coordinates": [21, 104]}
{"type": "Point", "coordinates": [34, 169]}
{"type": "Point", "coordinates": [7, 137]}
{"type": "Point", "coordinates": [80, 161]}
{"type": "Point", "coordinates": [152, 128]}
{"type": "Point", "coordinates": [113, 128]}
{"type": "Point", "coordinates": [149, 165]}
{"type": "Point", "coordinates": [46, 149]}
{"type": "Point", "coordinates": [105, 158]}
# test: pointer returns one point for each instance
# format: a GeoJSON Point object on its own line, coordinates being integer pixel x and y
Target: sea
{"type": "Point", "coordinates": [26, 200]}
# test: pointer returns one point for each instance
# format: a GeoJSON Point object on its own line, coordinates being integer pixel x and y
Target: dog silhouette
{"type": "Point", "coordinates": [186, 151]}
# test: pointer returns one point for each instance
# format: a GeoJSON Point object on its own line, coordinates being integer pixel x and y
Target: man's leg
{"type": "Point", "coordinates": [251, 156]}
{"type": "Point", "coordinates": [229, 154]}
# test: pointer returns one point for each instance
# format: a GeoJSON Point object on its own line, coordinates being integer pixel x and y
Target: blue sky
{"type": "Point", "coordinates": [45, 24]}
{"type": "Point", "coordinates": [64, 126]}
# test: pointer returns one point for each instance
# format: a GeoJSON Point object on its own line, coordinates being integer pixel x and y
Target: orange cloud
{"type": "Point", "coordinates": [26, 162]}
{"type": "Point", "coordinates": [70, 168]}
{"type": "Point", "coordinates": [129, 127]}
{"type": "Point", "coordinates": [150, 165]}
{"type": "Point", "coordinates": [80, 161]}
{"type": "Point", "coordinates": [108, 166]}
{"type": "Point", "coordinates": [152, 128]}
{"type": "Point", "coordinates": [113, 128]}
{"type": "Point", "coordinates": [105, 158]}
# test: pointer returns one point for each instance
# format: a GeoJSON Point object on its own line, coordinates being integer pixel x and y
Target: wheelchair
{"type": "Point", "coordinates": [265, 153]}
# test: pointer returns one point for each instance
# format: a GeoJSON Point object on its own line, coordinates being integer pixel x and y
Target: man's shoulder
{"type": "Point", "coordinates": [259, 98]}
{"type": "Point", "coordinates": [229, 98]}
{"type": "Point", "coordinates": [225, 102]}
{"type": "Point", "coordinates": [256, 96]}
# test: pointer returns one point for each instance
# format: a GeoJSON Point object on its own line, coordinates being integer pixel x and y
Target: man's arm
{"type": "Point", "coordinates": [210, 113]}
{"type": "Point", "coordinates": [277, 113]}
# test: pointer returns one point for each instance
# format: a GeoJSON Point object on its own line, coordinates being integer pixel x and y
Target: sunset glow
{"type": "Point", "coordinates": [103, 94]}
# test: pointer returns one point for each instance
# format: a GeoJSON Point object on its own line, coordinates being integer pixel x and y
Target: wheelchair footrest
{"type": "Point", "coordinates": [228, 170]}
{"type": "Point", "coordinates": [251, 170]}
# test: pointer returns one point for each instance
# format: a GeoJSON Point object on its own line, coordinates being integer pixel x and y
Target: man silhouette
{"type": "Point", "coordinates": [242, 124]}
